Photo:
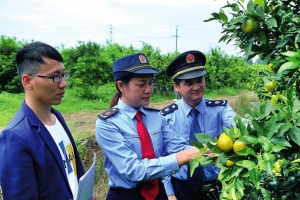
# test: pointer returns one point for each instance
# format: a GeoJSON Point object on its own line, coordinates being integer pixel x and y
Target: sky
{"type": "Point", "coordinates": [126, 22]}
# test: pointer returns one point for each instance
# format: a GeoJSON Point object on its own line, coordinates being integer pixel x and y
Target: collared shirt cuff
{"type": "Point", "coordinates": [171, 164]}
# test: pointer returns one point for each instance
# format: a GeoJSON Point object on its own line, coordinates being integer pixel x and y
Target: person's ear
{"type": "Point", "coordinates": [120, 86]}
{"type": "Point", "coordinates": [176, 87]}
{"type": "Point", "coordinates": [27, 81]}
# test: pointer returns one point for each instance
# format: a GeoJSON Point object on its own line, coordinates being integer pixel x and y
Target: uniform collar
{"type": "Point", "coordinates": [187, 108]}
{"type": "Point", "coordinates": [128, 110]}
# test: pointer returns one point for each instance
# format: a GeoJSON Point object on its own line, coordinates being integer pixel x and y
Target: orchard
{"type": "Point", "coordinates": [263, 162]}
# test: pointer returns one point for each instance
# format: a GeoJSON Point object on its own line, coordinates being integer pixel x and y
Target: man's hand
{"type": "Point", "coordinates": [186, 156]}
{"type": "Point", "coordinates": [172, 197]}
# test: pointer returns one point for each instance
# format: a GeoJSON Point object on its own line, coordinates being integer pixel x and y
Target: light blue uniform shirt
{"type": "Point", "coordinates": [119, 141]}
{"type": "Point", "coordinates": [211, 120]}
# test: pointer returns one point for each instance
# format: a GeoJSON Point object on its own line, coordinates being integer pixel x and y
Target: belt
{"type": "Point", "coordinates": [209, 185]}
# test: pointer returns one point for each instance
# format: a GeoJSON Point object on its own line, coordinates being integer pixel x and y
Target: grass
{"type": "Point", "coordinates": [10, 103]}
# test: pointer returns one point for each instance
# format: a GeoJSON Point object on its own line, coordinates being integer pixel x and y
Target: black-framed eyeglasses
{"type": "Point", "coordinates": [57, 78]}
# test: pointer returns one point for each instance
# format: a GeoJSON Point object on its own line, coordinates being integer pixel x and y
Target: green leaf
{"type": "Point", "coordinates": [246, 164]}
{"type": "Point", "coordinates": [265, 193]}
{"type": "Point", "coordinates": [280, 141]}
{"type": "Point", "coordinates": [283, 41]}
{"type": "Point", "coordinates": [262, 36]}
{"type": "Point", "coordinates": [260, 12]}
{"type": "Point", "coordinates": [266, 108]}
{"type": "Point", "coordinates": [255, 177]}
{"type": "Point", "coordinates": [240, 124]}
{"type": "Point", "coordinates": [270, 128]}
{"type": "Point", "coordinates": [297, 38]}
{"type": "Point", "coordinates": [286, 66]}
{"type": "Point", "coordinates": [197, 144]}
{"type": "Point", "coordinates": [249, 139]}
{"type": "Point", "coordinates": [247, 151]}
{"type": "Point", "coordinates": [294, 133]}
{"type": "Point", "coordinates": [271, 22]}
{"type": "Point", "coordinates": [265, 143]}
{"type": "Point", "coordinates": [193, 165]}
{"type": "Point", "coordinates": [248, 47]}
{"type": "Point", "coordinates": [223, 16]}
{"type": "Point", "coordinates": [210, 19]}
{"type": "Point", "coordinates": [239, 186]}
{"type": "Point", "coordinates": [223, 38]}
{"type": "Point", "coordinates": [203, 138]}
{"type": "Point", "coordinates": [237, 20]}
{"type": "Point", "coordinates": [236, 171]}
{"type": "Point", "coordinates": [250, 6]}
{"type": "Point", "coordinates": [277, 148]}
{"type": "Point", "coordinates": [269, 161]}
{"type": "Point", "coordinates": [289, 53]}
{"type": "Point", "coordinates": [225, 175]}
{"type": "Point", "coordinates": [257, 128]}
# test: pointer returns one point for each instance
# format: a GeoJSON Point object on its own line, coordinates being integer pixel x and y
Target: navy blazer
{"type": "Point", "coordinates": [30, 162]}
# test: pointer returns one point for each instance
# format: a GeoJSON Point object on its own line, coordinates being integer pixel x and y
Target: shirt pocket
{"type": "Point", "coordinates": [157, 140]}
{"type": "Point", "coordinates": [133, 140]}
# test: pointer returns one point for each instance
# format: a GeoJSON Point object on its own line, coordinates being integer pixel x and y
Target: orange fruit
{"type": "Point", "coordinates": [225, 143]}
{"type": "Point", "coordinates": [270, 86]}
{"type": "Point", "coordinates": [238, 146]}
{"type": "Point", "coordinates": [250, 26]}
{"type": "Point", "coordinates": [229, 163]}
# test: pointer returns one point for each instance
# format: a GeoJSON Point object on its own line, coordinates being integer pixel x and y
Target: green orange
{"type": "Point", "coordinates": [250, 26]}
{"type": "Point", "coordinates": [270, 86]}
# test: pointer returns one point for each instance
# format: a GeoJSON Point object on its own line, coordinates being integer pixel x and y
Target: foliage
{"type": "Point", "coordinates": [269, 166]}
{"type": "Point", "coordinates": [226, 71]}
{"type": "Point", "coordinates": [278, 33]}
{"type": "Point", "coordinates": [9, 80]}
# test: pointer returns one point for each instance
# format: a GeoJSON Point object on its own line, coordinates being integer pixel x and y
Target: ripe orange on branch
{"type": "Point", "coordinates": [225, 143]}
{"type": "Point", "coordinates": [238, 146]}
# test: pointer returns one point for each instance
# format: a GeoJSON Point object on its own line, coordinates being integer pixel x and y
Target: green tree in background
{"type": "Point", "coordinates": [9, 80]}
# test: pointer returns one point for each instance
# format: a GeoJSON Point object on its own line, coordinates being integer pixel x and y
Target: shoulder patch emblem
{"type": "Point", "coordinates": [148, 108]}
{"type": "Point", "coordinates": [216, 102]}
{"type": "Point", "coordinates": [108, 113]}
{"type": "Point", "coordinates": [169, 109]}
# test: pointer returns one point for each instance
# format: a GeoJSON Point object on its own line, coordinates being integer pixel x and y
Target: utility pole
{"type": "Point", "coordinates": [176, 36]}
{"type": "Point", "coordinates": [110, 33]}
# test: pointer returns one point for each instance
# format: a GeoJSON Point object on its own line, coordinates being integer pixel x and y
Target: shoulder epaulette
{"type": "Point", "coordinates": [216, 102]}
{"type": "Point", "coordinates": [154, 109]}
{"type": "Point", "coordinates": [169, 109]}
{"type": "Point", "coordinates": [108, 113]}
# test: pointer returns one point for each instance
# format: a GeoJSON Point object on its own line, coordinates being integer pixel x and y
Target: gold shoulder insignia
{"type": "Point", "coordinates": [108, 113]}
{"type": "Point", "coordinates": [169, 109]}
{"type": "Point", "coordinates": [216, 102]}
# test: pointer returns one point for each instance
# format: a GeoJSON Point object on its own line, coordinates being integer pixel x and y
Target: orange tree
{"type": "Point", "coordinates": [266, 166]}
{"type": "Point", "coordinates": [266, 29]}
{"type": "Point", "coordinates": [259, 159]}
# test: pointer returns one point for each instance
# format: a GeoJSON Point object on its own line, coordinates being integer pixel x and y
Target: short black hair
{"type": "Point", "coordinates": [30, 58]}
